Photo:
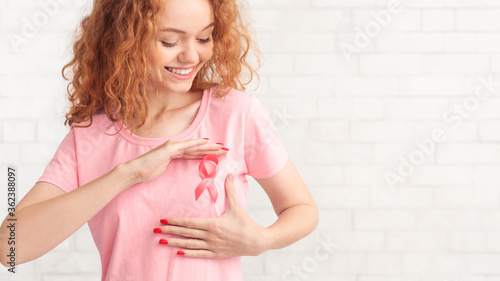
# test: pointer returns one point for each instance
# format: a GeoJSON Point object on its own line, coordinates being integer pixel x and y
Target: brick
{"type": "Point", "coordinates": [406, 20]}
{"type": "Point", "coordinates": [477, 20]}
{"type": "Point", "coordinates": [456, 64]}
{"type": "Point", "coordinates": [471, 42]}
{"type": "Point", "coordinates": [413, 4]}
{"type": "Point", "coordinates": [341, 3]}
{"type": "Point", "coordinates": [490, 220]}
{"type": "Point", "coordinates": [488, 131]}
{"type": "Point", "coordinates": [368, 86]}
{"type": "Point", "coordinates": [466, 132]}
{"type": "Point", "coordinates": [359, 241]}
{"type": "Point", "coordinates": [286, 110]}
{"type": "Point", "coordinates": [351, 108]}
{"type": "Point", "coordinates": [335, 219]}
{"type": "Point", "coordinates": [442, 175]}
{"type": "Point", "coordinates": [72, 277]}
{"type": "Point", "coordinates": [325, 153]}
{"type": "Point", "coordinates": [381, 131]}
{"type": "Point", "coordinates": [467, 154]}
{"type": "Point", "coordinates": [58, 262]}
{"type": "Point", "coordinates": [51, 131]}
{"type": "Point", "coordinates": [483, 263]}
{"type": "Point", "coordinates": [269, 20]}
{"type": "Point", "coordinates": [11, 154]}
{"type": "Point", "coordinates": [414, 108]}
{"type": "Point", "coordinates": [435, 263]}
{"type": "Point", "coordinates": [451, 219]}
{"type": "Point", "coordinates": [257, 196]}
{"type": "Point", "coordinates": [15, 86]}
{"type": "Point", "coordinates": [277, 64]}
{"type": "Point", "coordinates": [388, 263]}
{"type": "Point", "coordinates": [340, 197]}
{"type": "Point", "coordinates": [389, 154]}
{"type": "Point", "coordinates": [319, 20]}
{"type": "Point", "coordinates": [252, 265]}
{"type": "Point", "coordinates": [383, 64]}
{"type": "Point", "coordinates": [347, 263]}
{"type": "Point", "coordinates": [404, 42]}
{"type": "Point", "coordinates": [381, 219]}
{"type": "Point", "coordinates": [329, 130]}
{"type": "Point", "coordinates": [321, 174]}
{"type": "Point", "coordinates": [486, 175]}
{"type": "Point", "coordinates": [326, 64]}
{"type": "Point", "coordinates": [19, 131]}
{"type": "Point", "coordinates": [405, 241]}
{"type": "Point", "coordinates": [471, 241]}
{"type": "Point", "coordinates": [37, 153]}
{"type": "Point", "coordinates": [403, 197]}
{"type": "Point", "coordinates": [83, 240]}
{"type": "Point", "coordinates": [290, 3]}
{"type": "Point", "coordinates": [303, 42]}
{"type": "Point", "coordinates": [353, 43]}
{"type": "Point", "coordinates": [486, 109]}
{"type": "Point", "coordinates": [438, 20]}
{"type": "Point", "coordinates": [432, 86]}
{"type": "Point", "coordinates": [492, 242]}
{"type": "Point", "coordinates": [466, 197]}
{"type": "Point", "coordinates": [300, 85]}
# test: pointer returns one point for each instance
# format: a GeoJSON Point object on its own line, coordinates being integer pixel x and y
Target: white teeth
{"type": "Point", "coordinates": [180, 71]}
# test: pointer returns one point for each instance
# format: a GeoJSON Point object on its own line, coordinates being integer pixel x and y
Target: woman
{"type": "Point", "coordinates": [161, 140]}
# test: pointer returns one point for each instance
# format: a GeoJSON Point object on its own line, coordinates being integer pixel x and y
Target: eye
{"type": "Point", "coordinates": [168, 45]}
{"type": "Point", "coordinates": [205, 41]}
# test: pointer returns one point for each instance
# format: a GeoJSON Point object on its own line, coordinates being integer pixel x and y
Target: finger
{"type": "Point", "coordinates": [196, 253]}
{"type": "Point", "coordinates": [184, 145]}
{"type": "Point", "coordinates": [184, 231]}
{"type": "Point", "coordinates": [193, 223]}
{"type": "Point", "coordinates": [205, 147]}
{"type": "Point", "coordinates": [231, 194]}
{"type": "Point", "coordinates": [196, 244]}
{"type": "Point", "coordinates": [201, 154]}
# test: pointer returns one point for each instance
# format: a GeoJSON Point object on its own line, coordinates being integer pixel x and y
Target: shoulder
{"type": "Point", "coordinates": [99, 122]}
{"type": "Point", "coordinates": [234, 101]}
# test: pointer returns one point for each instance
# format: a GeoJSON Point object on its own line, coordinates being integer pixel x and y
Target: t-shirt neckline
{"type": "Point", "coordinates": [127, 135]}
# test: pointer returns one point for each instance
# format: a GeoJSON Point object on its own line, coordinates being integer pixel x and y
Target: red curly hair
{"type": "Point", "coordinates": [110, 69]}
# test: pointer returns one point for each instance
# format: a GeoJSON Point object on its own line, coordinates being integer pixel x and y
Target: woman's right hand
{"type": "Point", "coordinates": [154, 162]}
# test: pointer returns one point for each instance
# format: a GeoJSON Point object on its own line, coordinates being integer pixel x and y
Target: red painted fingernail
{"type": "Point", "coordinates": [181, 253]}
{"type": "Point", "coordinates": [164, 221]}
{"type": "Point", "coordinates": [205, 138]}
{"type": "Point", "coordinates": [225, 148]}
{"type": "Point", "coordinates": [220, 143]}
{"type": "Point", "coordinates": [157, 230]}
{"type": "Point", "coordinates": [163, 241]}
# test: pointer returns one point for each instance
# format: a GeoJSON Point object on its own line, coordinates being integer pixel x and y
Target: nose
{"type": "Point", "coordinates": [189, 53]}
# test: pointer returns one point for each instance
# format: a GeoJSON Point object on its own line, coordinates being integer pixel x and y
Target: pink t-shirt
{"type": "Point", "coordinates": [123, 229]}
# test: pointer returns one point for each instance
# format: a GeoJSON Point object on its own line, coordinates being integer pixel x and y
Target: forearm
{"type": "Point", "coordinates": [292, 225]}
{"type": "Point", "coordinates": [42, 226]}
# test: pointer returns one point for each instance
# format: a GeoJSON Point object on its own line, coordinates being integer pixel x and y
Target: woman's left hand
{"type": "Point", "coordinates": [233, 234]}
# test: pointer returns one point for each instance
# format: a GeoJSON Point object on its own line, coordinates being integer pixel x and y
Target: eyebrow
{"type": "Point", "coordinates": [170, 29]}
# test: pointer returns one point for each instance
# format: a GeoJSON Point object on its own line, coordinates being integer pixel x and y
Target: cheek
{"type": "Point", "coordinates": [206, 53]}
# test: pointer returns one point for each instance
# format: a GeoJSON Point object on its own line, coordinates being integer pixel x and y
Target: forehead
{"type": "Point", "coordinates": [187, 15]}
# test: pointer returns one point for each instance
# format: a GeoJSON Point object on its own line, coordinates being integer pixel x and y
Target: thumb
{"type": "Point", "coordinates": [231, 194]}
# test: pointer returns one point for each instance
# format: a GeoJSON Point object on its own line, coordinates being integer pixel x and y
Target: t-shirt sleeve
{"type": "Point", "coordinates": [265, 152]}
{"type": "Point", "coordinates": [62, 170]}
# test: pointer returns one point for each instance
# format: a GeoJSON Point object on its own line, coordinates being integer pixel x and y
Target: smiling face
{"type": "Point", "coordinates": [184, 43]}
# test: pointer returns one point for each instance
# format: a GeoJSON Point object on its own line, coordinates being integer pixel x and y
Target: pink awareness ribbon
{"type": "Point", "coordinates": [208, 169]}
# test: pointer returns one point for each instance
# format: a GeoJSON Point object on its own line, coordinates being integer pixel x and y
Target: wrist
{"type": "Point", "coordinates": [267, 240]}
{"type": "Point", "coordinates": [127, 173]}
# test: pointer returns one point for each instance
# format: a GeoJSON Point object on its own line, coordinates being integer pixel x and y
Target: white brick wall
{"type": "Point", "coordinates": [356, 117]}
